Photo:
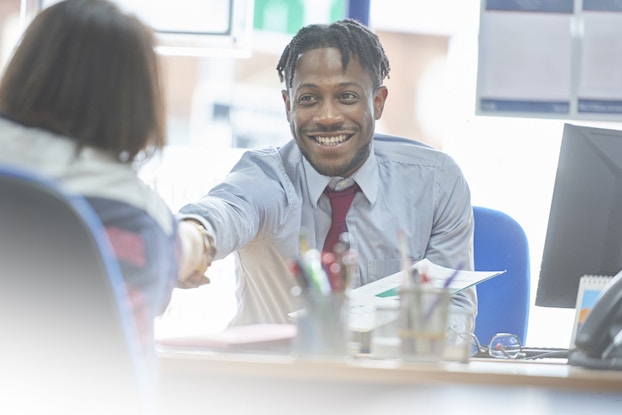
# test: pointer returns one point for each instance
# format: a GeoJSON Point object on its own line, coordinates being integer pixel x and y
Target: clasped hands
{"type": "Point", "coordinates": [196, 254]}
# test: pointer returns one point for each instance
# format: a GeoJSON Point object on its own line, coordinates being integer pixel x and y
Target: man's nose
{"type": "Point", "coordinates": [328, 113]}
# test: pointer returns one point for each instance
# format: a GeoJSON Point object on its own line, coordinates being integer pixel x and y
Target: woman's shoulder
{"type": "Point", "coordinates": [96, 175]}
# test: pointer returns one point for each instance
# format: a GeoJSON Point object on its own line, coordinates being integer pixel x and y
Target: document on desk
{"type": "Point", "coordinates": [235, 338]}
{"type": "Point", "coordinates": [385, 291]}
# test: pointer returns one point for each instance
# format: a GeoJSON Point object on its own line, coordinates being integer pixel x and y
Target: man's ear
{"type": "Point", "coordinates": [288, 105]}
{"type": "Point", "coordinates": [380, 96]}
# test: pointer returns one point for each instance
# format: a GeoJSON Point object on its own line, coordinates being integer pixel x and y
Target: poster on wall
{"type": "Point", "coordinates": [600, 72]}
{"type": "Point", "coordinates": [550, 59]}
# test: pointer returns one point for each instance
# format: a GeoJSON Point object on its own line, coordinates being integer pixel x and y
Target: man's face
{"type": "Point", "coordinates": [332, 112]}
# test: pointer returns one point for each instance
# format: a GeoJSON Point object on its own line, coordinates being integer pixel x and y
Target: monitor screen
{"type": "Point", "coordinates": [584, 233]}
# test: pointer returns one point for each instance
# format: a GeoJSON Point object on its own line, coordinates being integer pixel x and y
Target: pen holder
{"type": "Point", "coordinates": [459, 338]}
{"type": "Point", "coordinates": [423, 322]}
{"type": "Point", "coordinates": [385, 339]}
{"type": "Point", "coordinates": [322, 323]}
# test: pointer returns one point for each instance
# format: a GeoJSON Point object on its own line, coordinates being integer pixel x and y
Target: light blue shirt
{"type": "Point", "coordinates": [270, 195]}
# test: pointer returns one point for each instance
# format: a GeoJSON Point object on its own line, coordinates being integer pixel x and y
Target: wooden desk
{"type": "Point", "coordinates": [205, 382]}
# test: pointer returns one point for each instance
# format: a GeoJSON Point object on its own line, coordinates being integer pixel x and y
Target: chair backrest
{"type": "Point", "coordinates": [501, 244]}
{"type": "Point", "coordinates": [68, 341]}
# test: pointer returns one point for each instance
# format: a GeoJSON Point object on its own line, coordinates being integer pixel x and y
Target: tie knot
{"type": "Point", "coordinates": [346, 193]}
{"type": "Point", "coordinates": [340, 202]}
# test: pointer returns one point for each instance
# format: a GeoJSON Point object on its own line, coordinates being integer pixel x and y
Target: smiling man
{"type": "Point", "coordinates": [333, 96]}
{"type": "Point", "coordinates": [332, 111]}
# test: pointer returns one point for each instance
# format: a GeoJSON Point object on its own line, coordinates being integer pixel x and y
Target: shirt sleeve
{"type": "Point", "coordinates": [451, 240]}
{"type": "Point", "coordinates": [250, 203]}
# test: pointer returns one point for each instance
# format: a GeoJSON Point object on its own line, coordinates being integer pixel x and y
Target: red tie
{"type": "Point", "coordinates": [340, 203]}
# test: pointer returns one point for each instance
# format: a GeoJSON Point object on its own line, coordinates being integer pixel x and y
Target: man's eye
{"type": "Point", "coordinates": [307, 99]}
{"type": "Point", "coordinates": [348, 97]}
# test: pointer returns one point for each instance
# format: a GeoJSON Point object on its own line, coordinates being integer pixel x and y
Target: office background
{"type": "Point", "coordinates": [218, 106]}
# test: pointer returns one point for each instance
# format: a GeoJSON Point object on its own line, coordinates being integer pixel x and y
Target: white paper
{"type": "Point", "coordinates": [384, 292]}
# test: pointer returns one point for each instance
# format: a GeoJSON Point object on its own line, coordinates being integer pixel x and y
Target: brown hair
{"type": "Point", "coordinates": [87, 71]}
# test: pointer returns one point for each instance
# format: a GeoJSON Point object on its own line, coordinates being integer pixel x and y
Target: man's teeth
{"type": "Point", "coordinates": [331, 141]}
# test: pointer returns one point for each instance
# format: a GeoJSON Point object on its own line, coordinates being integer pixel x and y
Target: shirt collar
{"type": "Point", "coordinates": [366, 177]}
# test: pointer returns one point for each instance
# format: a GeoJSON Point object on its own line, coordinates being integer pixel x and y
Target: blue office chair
{"type": "Point", "coordinates": [501, 244]}
{"type": "Point", "coordinates": [68, 343]}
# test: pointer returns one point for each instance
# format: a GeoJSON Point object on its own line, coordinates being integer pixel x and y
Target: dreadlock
{"type": "Point", "coordinates": [349, 36]}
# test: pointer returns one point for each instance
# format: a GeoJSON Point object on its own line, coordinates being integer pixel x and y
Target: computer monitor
{"type": "Point", "coordinates": [584, 233]}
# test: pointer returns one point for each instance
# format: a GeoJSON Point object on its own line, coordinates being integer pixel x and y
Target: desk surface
{"type": "Point", "coordinates": [549, 373]}
{"type": "Point", "coordinates": [247, 382]}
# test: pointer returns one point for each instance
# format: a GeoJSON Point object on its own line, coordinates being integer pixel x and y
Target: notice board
{"type": "Point", "coordinates": [550, 59]}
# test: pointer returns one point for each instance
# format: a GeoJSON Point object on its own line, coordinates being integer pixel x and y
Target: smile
{"type": "Point", "coordinates": [332, 141]}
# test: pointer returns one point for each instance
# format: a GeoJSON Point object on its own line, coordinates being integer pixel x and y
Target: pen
{"type": "Point", "coordinates": [333, 271]}
{"type": "Point", "coordinates": [318, 277]}
{"type": "Point", "coordinates": [446, 285]}
{"type": "Point", "coordinates": [424, 276]}
{"type": "Point", "coordinates": [346, 257]}
{"type": "Point", "coordinates": [299, 271]}
{"type": "Point", "coordinates": [410, 284]}
{"type": "Point", "coordinates": [453, 275]}
{"type": "Point", "coordinates": [303, 241]}
{"type": "Point", "coordinates": [405, 259]}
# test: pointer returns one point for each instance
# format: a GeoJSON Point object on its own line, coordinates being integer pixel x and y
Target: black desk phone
{"type": "Point", "coordinates": [598, 343]}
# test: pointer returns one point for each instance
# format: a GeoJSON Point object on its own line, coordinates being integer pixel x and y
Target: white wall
{"type": "Point", "coordinates": [510, 163]}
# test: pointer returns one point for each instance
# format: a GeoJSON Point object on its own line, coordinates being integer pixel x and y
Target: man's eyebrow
{"type": "Point", "coordinates": [341, 84]}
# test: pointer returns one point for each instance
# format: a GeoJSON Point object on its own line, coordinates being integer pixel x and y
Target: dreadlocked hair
{"type": "Point", "coordinates": [351, 37]}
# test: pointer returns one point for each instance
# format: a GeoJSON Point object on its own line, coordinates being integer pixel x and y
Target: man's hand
{"type": "Point", "coordinates": [196, 256]}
